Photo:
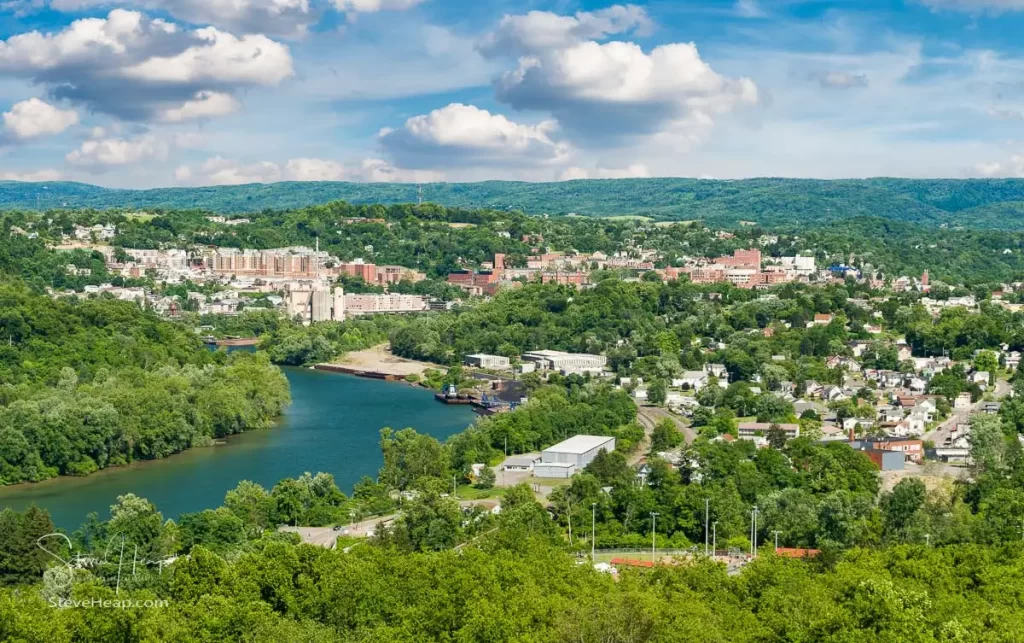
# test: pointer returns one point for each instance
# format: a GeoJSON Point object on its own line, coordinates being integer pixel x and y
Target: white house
{"type": "Point", "coordinates": [962, 402]}
{"type": "Point", "coordinates": [717, 370]}
{"type": "Point", "coordinates": [692, 380]}
{"type": "Point", "coordinates": [979, 377]}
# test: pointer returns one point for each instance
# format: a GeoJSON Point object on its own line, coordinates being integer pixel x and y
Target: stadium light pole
{"type": "Point", "coordinates": [707, 505]}
{"type": "Point", "coordinates": [654, 534]}
{"type": "Point", "coordinates": [593, 532]}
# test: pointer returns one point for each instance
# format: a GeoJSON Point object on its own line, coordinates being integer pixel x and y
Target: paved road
{"type": "Point", "coordinates": [939, 434]}
{"type": "Point", "coordinates": [325, 536]}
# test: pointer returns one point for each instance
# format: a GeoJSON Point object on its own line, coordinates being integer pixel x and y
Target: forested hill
{"type": "Point", "coordinates": [971, 203]}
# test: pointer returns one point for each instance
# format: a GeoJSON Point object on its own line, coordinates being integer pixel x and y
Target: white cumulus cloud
{"type": "Point", "coordinates": [277, 17]}
{"type": "Point", "coordinates": [616, 89]}
{"type": "Point", "coordinates": [32, 176]}
{"type": "Point", "coordinates": [221, 171]}
{"type": "Point", "coordinates": [635, 171]}
{"type": "Point", "coordinates": [539, 31]}
{"type": "Point", "coordinates": [1011, 169]}
{"type": "Point", "coordinates": [33, 117]}
{"type": "Point", "coordinates": [100, 154]}
{"type": "Point", "coordinates": [134, 67]}
{"type": "Point", "coordinates": [373, 6]}
{"type": "Point", "coordinates": [206, 104]}
{"type": "Point", "coordinates": [458, 135]}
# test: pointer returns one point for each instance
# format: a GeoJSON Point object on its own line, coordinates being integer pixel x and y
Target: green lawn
{"type": "Point", "coordinates": [469, 492]}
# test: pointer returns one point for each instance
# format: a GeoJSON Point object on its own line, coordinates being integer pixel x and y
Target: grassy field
{"type": "Point", "coordinates": [140, 216]}
{"type": "Point", "coordinates": [469, 492]}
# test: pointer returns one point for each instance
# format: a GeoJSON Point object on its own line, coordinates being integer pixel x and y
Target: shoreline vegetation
{"type": "Point", "coordinates": [94, 383]}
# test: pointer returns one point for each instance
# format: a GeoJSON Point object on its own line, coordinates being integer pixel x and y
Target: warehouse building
{"type": "Point", "coordinates": [566, 362]}
{"type": "Point", "coordinates": [491, 362]}
{"type": "Point", "coordinates": [554, 469]}
{"type": "Point", "coordinates": [578, 451]}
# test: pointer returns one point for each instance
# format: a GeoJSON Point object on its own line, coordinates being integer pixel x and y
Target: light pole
{"type": "Point", "coordinates": [706, 517]}
{"type": "Point", "coordinates": [753, 531]}
{"type": "Point", "coordinates": [654, 534]}
{"type": "Point", "coordinates": [593, 532]}
{"type": "Point", "coordinates": [928, 540]}
{"type": "Point", "coordinates": [714, 537]}
{"type": "Point", "coordinates": [776, 532]}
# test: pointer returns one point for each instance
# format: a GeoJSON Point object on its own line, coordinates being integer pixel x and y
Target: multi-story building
{"type": "Point", "coordinates": [360, 304]}
{"type": "Point", "coordinates": [378, 275]}
{"type": "Point", "coordinates": [750, 259]}
{"type": "Point", "coordinates": [159, 259]}
{"type": "Point", "coordinates": [298, 261]}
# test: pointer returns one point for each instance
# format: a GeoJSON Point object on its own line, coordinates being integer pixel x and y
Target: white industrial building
{"type": "Point", "coordinates": [566, 362]}
{"type": "Point", "coordinates": [492, 362]}
{"type": "Point", "coordinates": [578, 451]}
{"type": "Point", "coordinates": [554, 469]}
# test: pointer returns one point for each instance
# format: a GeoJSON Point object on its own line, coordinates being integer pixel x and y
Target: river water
{"type": "Point", "coordinates": [332, 425]}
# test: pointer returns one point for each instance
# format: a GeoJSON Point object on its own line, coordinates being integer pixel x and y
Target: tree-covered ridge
{"type": "Point", "coordinates": [91, 383]}
{"type": "Point", "coordinates": [43, 335]}
{"type": "Point", "coordinates": [982, 203]}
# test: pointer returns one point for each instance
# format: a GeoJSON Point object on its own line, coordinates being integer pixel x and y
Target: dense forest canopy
{"type": "Point", "coordinates": [91, 383]}
{"type": "Point", "coordinates": [989, 203]}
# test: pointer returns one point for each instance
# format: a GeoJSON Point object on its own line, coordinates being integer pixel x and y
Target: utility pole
{"type": "Point", "coordinates": [753, 531]}
{"type": "Point", "coordinates": [707, 505]}
{"type": "Point", "coordinates": [593, 531]}
{"type": "Point", "coordinates": [654, 534]}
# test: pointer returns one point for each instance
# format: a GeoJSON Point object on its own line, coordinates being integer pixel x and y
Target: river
{"type": "Point", "coordinates": [332, 425]}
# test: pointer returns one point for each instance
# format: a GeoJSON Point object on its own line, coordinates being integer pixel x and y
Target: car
{"type": "Point", "coordinates": [338, 527]}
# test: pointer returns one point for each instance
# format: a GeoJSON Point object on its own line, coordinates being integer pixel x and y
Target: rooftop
{"type": "Point", "coordinates": [579, 444]}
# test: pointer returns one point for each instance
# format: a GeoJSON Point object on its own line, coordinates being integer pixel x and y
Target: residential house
{"type": "Point", "coordinates": [962, 402]}
{"type": "Point", "coordinates": [843, 362]}
{"type": "Point", "coordinates": [833, 394]}
{"type": "Point", "coordinates": [917, 385]}
{"type": "Point", "coordinates": [991, 408]}
{"type": "Point", "coordinates": [1011, 360]}
{"type": "Point", "coordinates": [889, 414]}
{"type": "Point", "coordinates": [981, 378]}
{"type": "Point", "coordinates": [691, 380]}
{"type": "Point", "coordinates": [717, 370]}
{"type": "Point", "coordinates": [821, 320]}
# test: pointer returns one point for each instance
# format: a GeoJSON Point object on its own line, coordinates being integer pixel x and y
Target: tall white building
{"type": "Point", "coordinates": [312, 302]}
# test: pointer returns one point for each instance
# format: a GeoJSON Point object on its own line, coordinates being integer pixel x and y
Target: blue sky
{"type": "Point", "coordinates": [146, 93]}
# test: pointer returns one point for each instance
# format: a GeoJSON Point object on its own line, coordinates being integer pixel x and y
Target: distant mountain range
{"type": "Point", "coordinates": [996, 203]}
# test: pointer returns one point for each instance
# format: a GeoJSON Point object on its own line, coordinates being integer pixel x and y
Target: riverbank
{"type": "Point", "coordinates": [332, 425]}
{"type": "Point", "coordinates": [236, 341]}
{"type": "Point", "coordinates": [379, 363]}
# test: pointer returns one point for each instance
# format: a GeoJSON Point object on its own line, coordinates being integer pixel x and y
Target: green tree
{"type": "Point", "coordinates": [665, 436]}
